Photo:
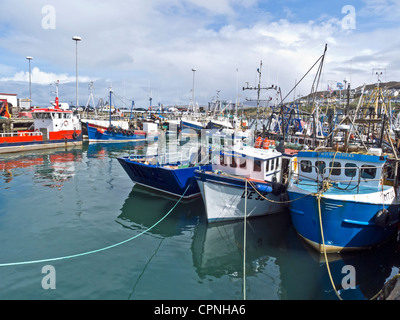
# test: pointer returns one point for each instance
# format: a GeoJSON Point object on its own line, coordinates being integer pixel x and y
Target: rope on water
{"type": "Point", "coordinates": [97, 250]}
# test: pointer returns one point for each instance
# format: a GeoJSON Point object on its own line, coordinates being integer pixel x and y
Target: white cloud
{"type": "Point", "coordinates": [140, 44]}
{"type": "Point", "coordinates": [42, 77]}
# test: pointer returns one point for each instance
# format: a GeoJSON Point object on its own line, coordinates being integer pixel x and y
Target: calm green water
{"type": "Point", "coordinates": [65, 202]}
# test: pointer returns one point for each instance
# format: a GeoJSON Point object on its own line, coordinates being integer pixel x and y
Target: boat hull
{"type": "Point", "coordinates": [32, 142]}
{"type": "Point", "coordinates": [225, 197]}
{"type": "Point", "coordinates": [193, 125]}
{"type": "Point", "coordinates": [166, 178]}
{"type": "Point", "coordinates": [347, 224]}
{"type": "Point", "coordinates": [101, 134]}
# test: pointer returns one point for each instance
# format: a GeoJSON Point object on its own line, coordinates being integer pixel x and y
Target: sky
{"type": "Point", "coordinates": [148, 48]}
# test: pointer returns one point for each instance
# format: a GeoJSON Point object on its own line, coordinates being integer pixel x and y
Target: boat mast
{"type": "Point", "coordinates": [258, 88]}
{"type": "Point", "coordinates": [110, 104]}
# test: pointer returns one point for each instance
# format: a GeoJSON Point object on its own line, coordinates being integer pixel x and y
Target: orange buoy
{"type": "Point", "coordinates": [258, 143]}
{"type": "Point", "coordinates": [266, 143]}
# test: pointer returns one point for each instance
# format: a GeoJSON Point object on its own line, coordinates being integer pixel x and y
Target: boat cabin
{"type": "Point", "coordinates": [48, 120]}
{"type": "Point", "coordinates": [249, 162]}
{"type": "Point", "coordinates": [344, 168]}
{"type": "Point", "coordinates": [227, 138]}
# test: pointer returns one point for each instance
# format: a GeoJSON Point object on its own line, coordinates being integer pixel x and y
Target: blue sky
{"type": "Point", "coordinates": [144, 48]}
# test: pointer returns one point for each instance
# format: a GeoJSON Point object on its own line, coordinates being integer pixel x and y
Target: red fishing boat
{"type": "Point", "coordinates": [52, 127]}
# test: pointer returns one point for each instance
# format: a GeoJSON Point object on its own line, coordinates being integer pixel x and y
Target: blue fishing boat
{"type": "Point", "coordinates": [167, 173]}
{"type": "Point", "coordinates": [192, 124]}
{"type": "Point", "coordinates": [116, 134]}
{"type": "Point", "coordinates": [98, 131]}
{"type": "Point", "coordinates": [344, 200]}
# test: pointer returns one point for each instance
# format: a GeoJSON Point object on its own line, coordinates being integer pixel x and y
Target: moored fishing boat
{"type": "Point", "coordinates": [244, 181]}
{"type": "Point", "coordinates": [52, 128]}
{"type": "Point", "coordinates": [119, 131]}
{"type": "Point", "coordinates": [99, 133]}
{"type": "Point", "coordinates": [170, 173]}
{"type": "Point", "coordinates": [340, 201]}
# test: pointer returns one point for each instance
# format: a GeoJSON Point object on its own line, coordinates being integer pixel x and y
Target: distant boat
{"type": "Point", "coordinates": [193, 124]}
{"type": "Point", "coordinates": [52, 128]}
{"type": "Point", "coordinates": [119, 131]}
{"type": "Point", "coordinates": [99, 133]}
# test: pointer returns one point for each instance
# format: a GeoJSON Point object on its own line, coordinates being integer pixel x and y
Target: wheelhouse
{"type": "Point", "coordinates": [259, 165]}
{"type": "Point", "coordinates": [344, 168]}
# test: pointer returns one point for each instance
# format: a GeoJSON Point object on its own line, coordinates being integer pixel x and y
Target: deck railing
{"type": "Point", "coordinates": [20, 134]}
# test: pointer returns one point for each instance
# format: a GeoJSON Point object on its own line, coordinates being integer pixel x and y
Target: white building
{"type": "Point", "coordinates": [10, 97]}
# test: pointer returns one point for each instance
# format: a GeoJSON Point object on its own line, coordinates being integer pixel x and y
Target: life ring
{"type": "Point", "coordinates": [65, 123]}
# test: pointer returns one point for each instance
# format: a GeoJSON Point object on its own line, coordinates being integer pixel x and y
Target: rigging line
{"type": "Point", "coordinates": [97, 250]}
{"type": "Point", "coordinates": [304, 76]}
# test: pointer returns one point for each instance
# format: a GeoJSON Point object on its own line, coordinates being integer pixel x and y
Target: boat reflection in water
{"type": "Point", "coordinates": [52, 168]}
{"type": "Point", "coordinates": [143, 208]}
{"type": "Point", "coordinates": [102, 150]}
{"type": "Point", "coordinates": [279, 264]}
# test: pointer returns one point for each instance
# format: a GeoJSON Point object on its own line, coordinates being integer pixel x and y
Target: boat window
{"type": "Point", "coordinates": [267, 165]}
{"type": "Point", "coordinates": [272, 164]}
{"type": "Point", "coordinates": [305, 165]}
{"type": "Point", "coordinates": [233, 162]}
{"type": "Point", "coordinates": [222, 160]}
{"type": "Point", "coordinates": [334, 168]}
{"type": "Point", "coordinates": [257, 166]}
{"type": "Point", "coordinates": [242, 163]}
{"type": "Point", "coordinates": [319, 167]}
{"type": "Point", "coordinates": [350, 169]}
{"type": "Point", "coordinates": [368, 171]}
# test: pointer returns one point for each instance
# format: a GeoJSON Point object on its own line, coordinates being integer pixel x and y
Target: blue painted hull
{"type": "Point", "coordinates": [104, 135]}
{"type": "Point", "coordinates": [347, 225]}
{"type": "Point", "coordinates": [190, 125]}
{"type": "Point", "coordinates": [164, 178]}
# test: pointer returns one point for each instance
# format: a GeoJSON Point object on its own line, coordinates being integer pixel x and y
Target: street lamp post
{"type": "Point", "coordinates": [194, 70]}
{"type": "Point", "coordinates": [30, 80]}
{"type": "Point", "coordinates": [76, 39]}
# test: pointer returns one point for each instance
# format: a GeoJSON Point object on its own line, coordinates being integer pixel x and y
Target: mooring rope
{"type": "Point", "coordinates": [97, 250]}
{"type": "Point", "coordinates": [244, 242]}
{"type": "Point", "coordinates": [323, 246]}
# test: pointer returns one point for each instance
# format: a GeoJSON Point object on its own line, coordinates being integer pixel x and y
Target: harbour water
{"type": "Point", "coordinates": [79, 206]}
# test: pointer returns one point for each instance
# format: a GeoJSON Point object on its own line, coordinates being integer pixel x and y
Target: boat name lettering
{"type": "Point", "coordinates": [388, 196]}
{"type": "Point", "coordinates": [332, 154]}
{"type": "Point", "coordinates": [251, 194]}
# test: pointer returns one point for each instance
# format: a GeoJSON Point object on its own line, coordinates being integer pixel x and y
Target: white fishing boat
{"type": "Point", "coordinates": [244, 181]}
